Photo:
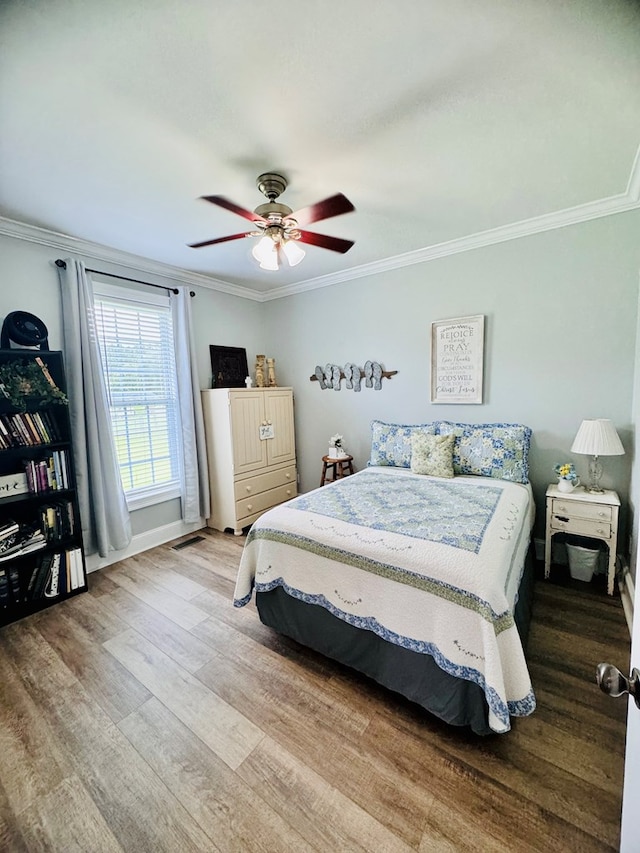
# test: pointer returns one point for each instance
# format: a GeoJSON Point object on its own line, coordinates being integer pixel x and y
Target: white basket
{"type": "Point", "coordinates": [582, 562]}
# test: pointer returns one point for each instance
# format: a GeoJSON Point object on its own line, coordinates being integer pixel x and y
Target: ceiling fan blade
{"type": "Point", "coordinates": [332, 206]}
{"type": "Point", "coordinates": [221, 201]}
{"type": "Point", "coordinates": [219, 240]}
{"type": "Point", "coordinates": [334, 244]}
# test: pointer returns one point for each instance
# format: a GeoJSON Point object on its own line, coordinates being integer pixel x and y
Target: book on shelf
{"type": "Point", "coordinates": [23, 542]}
{"type": "Point", "coordinates": [38, 577]}
{"type": "Point", "coordinates": [4, 588]}
{"type": "Point", "coordinates": [40, 426]}
{"type": "Point", "coordinates": [13, 437]}
{"type": "Point", "coordinates": [56, 574]}
{"type": "Point", "coordinates": [75, 576]}
{"type": "Point", "coordinates": [8, 528]}
{"type": "Point", "coordinates": [42, 573]}
{"type": "Point", "coordinates": [52, 586]}
{"type": "Point", "coordinates": [14, 583]}
{"type": "Point", "coordinates": [10, 591]}
{"type": "Point", "coordinates": [51, 425]}
{"type": "Point", "coordinates": [8, 543]}
{"type": "Point", "coordinates": [30, 426]}
{"type": "Point", "coordinates": [57, 521]}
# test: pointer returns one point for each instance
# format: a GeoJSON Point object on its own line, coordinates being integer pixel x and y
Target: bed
{"type": "Point", "coordinates": [420, 581]}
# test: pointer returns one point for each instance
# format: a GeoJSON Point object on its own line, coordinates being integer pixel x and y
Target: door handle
{"type": "Point", "coordinates": [612, 681]}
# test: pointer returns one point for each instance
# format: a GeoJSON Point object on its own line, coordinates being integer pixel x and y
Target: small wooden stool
{"type": "Point", "coordinates": [340, 467]}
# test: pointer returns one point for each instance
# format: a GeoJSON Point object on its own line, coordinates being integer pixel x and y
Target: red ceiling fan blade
{"type": "Point", "coordinates": [332, 206]}
{"type": "Point", "coordinates": [221, 201]}
{"type": "Point", "coordinates": [334, 244]}
{"type": "Point", "coordinates": [219, 240]}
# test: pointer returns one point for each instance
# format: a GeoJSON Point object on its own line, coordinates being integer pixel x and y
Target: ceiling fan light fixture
{"type": "Point", "coordinates": [293, 252]}
{"type": "Point", "coordinates": [278, 225]}
{"type": "Point", "coordinates": [266, 253]}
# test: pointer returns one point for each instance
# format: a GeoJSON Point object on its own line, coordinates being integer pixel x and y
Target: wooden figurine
{"type": "Point", "coordinates": [260, 379]}
{"type": "Point", "coordinates": [271, 372]}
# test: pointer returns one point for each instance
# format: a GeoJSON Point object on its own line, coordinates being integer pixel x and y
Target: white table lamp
{"type": "Point", "coordinates": [595, 438]}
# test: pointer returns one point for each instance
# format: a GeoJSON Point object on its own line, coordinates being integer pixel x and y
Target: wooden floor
{"type": "Point", "coordinates": [150, 715]}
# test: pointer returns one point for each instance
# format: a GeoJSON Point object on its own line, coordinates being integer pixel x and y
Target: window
{"type": "Point", "coordinates": [135, 334]}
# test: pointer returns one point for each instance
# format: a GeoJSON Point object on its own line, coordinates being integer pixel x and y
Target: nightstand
{"type": "Point", "coordinates": [592, 515]}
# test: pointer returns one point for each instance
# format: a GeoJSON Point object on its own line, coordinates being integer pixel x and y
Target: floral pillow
{"type": "Point", "coordinates": [490, 450]}
{"type": "Point", "coordinates": [391, 443]}
{"type": "Point", "coordinates": [432, 454]}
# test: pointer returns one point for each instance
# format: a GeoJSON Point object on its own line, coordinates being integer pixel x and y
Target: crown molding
{"type": "Point", "coordinates": [560, 219]}
{"type": "Point", "coordinates": [622, 203]}
{"type": "Point", "coordinates": [130, 263]}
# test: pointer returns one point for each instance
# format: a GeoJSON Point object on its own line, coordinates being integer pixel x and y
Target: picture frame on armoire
{"type": "Point", "coordinates": [229, 367]}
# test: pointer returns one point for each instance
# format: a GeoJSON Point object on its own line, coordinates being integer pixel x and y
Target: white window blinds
{"type": "Point", "coordinates": [136, 343]}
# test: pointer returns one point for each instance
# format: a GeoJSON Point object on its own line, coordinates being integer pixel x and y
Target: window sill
{"type": "Point", "coordinates": [141, 499]}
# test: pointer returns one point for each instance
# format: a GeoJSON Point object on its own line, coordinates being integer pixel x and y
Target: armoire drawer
{"type": "Point", "coordinates": [265, 500]}
{"type": "Point", "coordinates": [263, 482]}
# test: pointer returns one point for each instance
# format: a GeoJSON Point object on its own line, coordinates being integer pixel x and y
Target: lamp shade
{"type": "Point", "coordinates": [597, 437]}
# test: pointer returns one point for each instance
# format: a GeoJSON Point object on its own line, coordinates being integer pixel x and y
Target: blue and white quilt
{"type": "Point", "coordinates": [432, 565]}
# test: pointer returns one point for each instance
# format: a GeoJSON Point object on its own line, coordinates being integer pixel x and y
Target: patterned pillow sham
{"type": "Point", "coordinates": [391, 443]}
{"type": "Point", "coordinates": [490, 450]}
{"type": "Point", "coordinates": [432, 454]}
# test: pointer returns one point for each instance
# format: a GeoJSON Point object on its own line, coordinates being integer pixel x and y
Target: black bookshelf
{"type": "Point", "coordinates": [41, 552]}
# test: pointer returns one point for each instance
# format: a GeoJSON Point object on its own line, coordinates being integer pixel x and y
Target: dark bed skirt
{"type": "Point", "coordinates": [413, 675]}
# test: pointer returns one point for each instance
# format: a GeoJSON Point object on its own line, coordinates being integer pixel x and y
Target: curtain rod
{"type": "Point", "coordinates": [63, 265]}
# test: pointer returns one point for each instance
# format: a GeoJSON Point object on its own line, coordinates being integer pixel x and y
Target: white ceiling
{"type": "Point", "coordinates": [438, 119]}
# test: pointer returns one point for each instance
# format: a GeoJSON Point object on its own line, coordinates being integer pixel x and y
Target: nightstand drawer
{"type": "Point", "coordinates": [580, 509]}
{"type": "Point", "coordinates": [598, 529]}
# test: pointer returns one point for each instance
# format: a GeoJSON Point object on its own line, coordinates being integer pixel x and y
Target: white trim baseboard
{"type": "Point", "coordinates": [143, 542]}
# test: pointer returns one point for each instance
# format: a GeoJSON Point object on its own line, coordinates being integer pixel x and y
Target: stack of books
{"type": "Point", "coordinates": [24, 429]}
{"type": "Point", "coordinates": [50, 474]}
{"type": "Point", "coordinates": [22, 541]}
{"type": "Point", "coordinates": [53, 575]}
{"type": "Point", "coordinates": [56, 574]}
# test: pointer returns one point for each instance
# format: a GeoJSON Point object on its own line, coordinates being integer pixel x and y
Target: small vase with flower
{"type": "Point", "coordinates": [336, 450]}
{"type": "Point", "coordinates": [568, 479]}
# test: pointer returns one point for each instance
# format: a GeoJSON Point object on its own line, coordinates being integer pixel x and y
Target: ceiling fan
{"type": "Point", "coordinates": [279, 227]}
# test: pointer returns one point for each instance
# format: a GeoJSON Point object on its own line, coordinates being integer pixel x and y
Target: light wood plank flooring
{"type": "Point", "coordinates": [150, 715]}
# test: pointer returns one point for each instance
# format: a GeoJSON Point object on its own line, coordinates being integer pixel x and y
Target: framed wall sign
{"type": "Point", "coordinates": [457, 355]}
{"type": "Point", "coordinates": [228, 367]}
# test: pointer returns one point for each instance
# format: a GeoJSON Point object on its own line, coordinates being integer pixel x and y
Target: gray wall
{"type": "Point", "coordinates": [30, 283]}
{"type": "Point", "coordinates": [560, 341]}
{"type": "Point", "coordinates": [560, 336]}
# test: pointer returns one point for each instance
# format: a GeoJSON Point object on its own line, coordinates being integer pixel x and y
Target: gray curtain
{"type": "Point", "coordinates": [106, 525]}
{"type": "Point", "coordinates": [195, 479]}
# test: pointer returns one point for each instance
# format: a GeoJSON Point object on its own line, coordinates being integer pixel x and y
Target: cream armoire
{"type": "Point", "coordinates": [251, 453]}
